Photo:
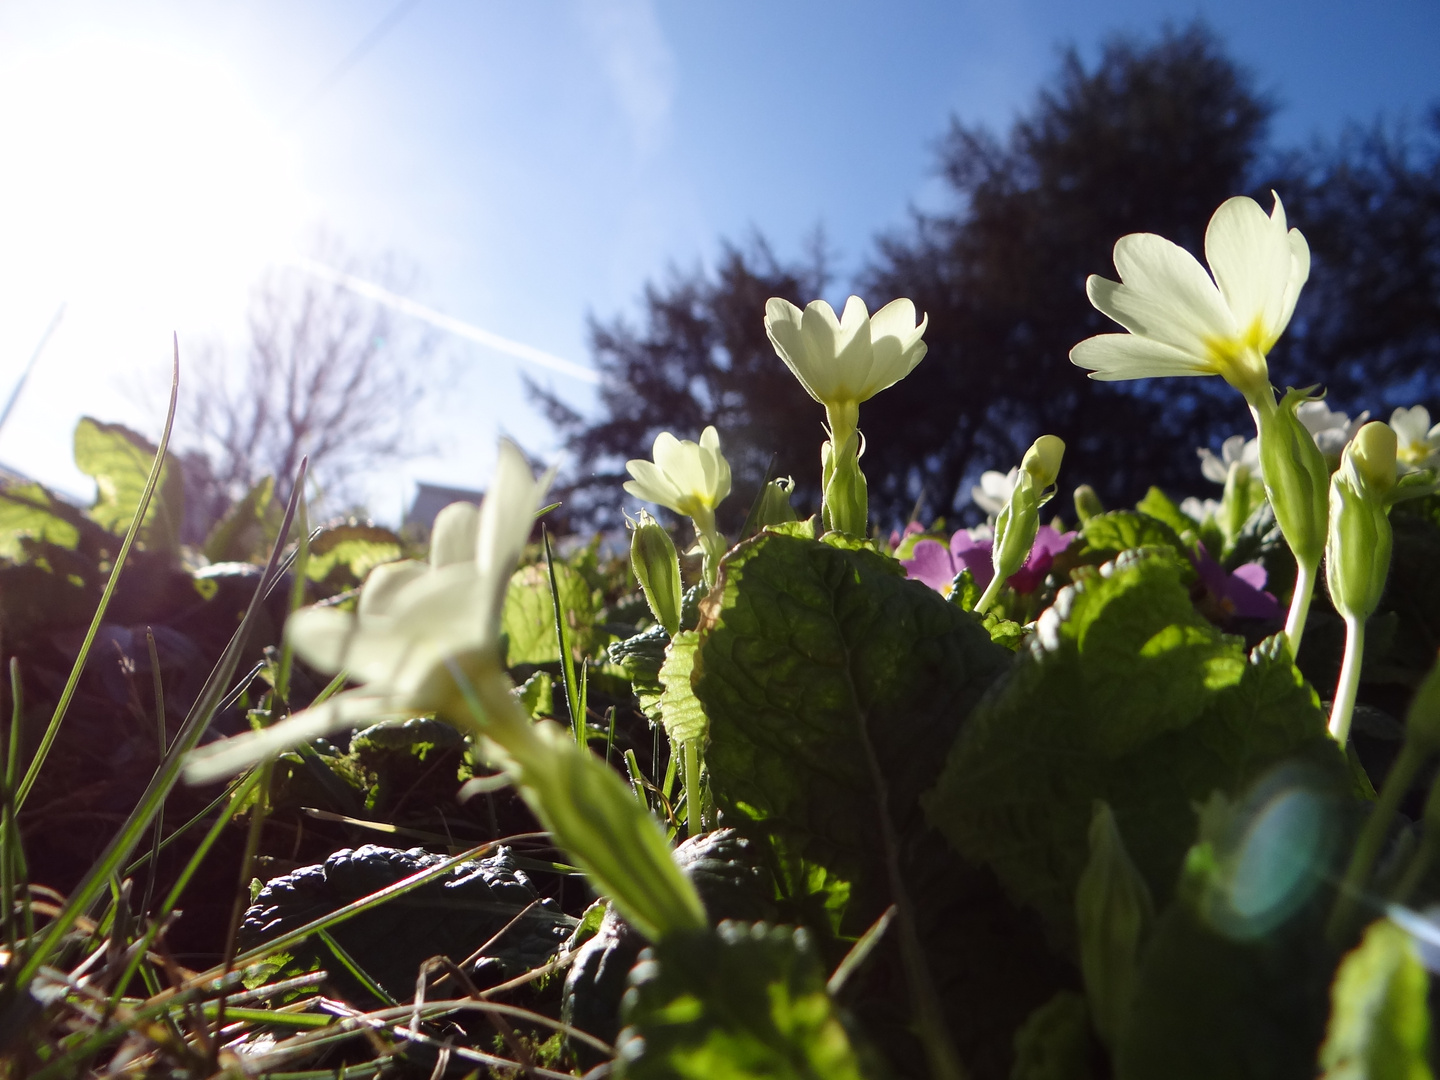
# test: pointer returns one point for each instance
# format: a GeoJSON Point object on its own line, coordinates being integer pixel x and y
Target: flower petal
{"type": "Point", "coordinates": [1164, 294]}
{"type": "Point", "coordinates": [931, 563]}
{"type": "Point", "coordinates": [452, 538]}
{"type": "Point", "coordinates": [1112, 357]}
{"type": "Point", "coordinates": [321, 636]}
{"type": "Point", "coordinates": [783, 325]}
{"type": "Point", "coordinates": [1250, 255]}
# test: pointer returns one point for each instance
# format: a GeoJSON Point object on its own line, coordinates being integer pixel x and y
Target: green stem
{"type": "Point", "coordinates": [988, 596]}
{"type": "Point", "coordinates": [1372, 839]}
{"type": "Point", "coordinates": [1344, 705]}
{"type": "Point", "coordinates": [1305, 574]}
{"type": "Point", "coordinates": [692, 787]}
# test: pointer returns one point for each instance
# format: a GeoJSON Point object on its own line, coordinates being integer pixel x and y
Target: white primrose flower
{"type": "Point", "coordinates": [1419, 443]}
{"type": "Point", "coordinates": [412, 621]}
{"type": "Point", "coordinates": [1200, 510]}
{"type": "Point", "coordinates": [1180, 321]}
{"type": "Point", "coordinates": [843, 362]}
{"type": "Point", "coordinates": [1331, 429]}
{"type": "Point", "coordinates": [689, 478]}
{"type": "Point", "coordinates": [995, 489]}
{"type": "Point", "coordinates": [1236, 450]}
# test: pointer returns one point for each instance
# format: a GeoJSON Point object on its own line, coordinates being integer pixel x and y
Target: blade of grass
{"type": "Point", "coordinates": [573, 699]}
{"type": "Point", "coordinates": [120, 848]}
{"type": "Point", "coordinates": [53, 730]}
{"type": "Point", "coordinates": [239, 794]}
{"type": "Point", "coordinates": [159, 827]}
{"type": "Point", "coordinates": [350, 964]}
{"type": "Point", "coordinates": [9, 827]}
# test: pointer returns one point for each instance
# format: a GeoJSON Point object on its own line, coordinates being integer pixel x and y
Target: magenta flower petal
{"type": "Point", "coordinates": [932, 564]}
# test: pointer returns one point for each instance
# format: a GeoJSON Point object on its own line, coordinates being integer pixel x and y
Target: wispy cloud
{"type": "Point", "coordinates": [638, 61]}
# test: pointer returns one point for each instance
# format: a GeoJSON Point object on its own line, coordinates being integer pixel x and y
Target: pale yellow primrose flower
{"type": "Point", "coordinates": [1180, 321]}
{"type": "Point", "coordinates": [689, 478]}
{"type": "Point", "coordinates": [843, 362]}
{"type": "Point", "coordinates": [1419, 443]}
{"type": "Point", "coordinates": [994, 489]}
{"type": "Point", "coordinates": [412, 620]}
{"type": "Point", "coordinates": [1331, 428]}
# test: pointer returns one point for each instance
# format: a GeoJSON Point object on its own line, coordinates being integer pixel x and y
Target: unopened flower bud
{"type": "Point", "coordinates": [1373, 450]}
{"type": "Point", "coordinates": [846, 499]}
{"type": "Point", "coordinates": [1296, 477]}
{"type": "Point", "coordinates": [657, 569]}
{"type": "Point", "coordinates": [774, 507]}
{"type": "Point", "coordinates": [1114, 910]}
{"type": "Point", "coordinates": [1042, 460]}
{"type": "Point", "coordinates": [1087, 503]}
{"type": "Point", "coordinates": [1357, 550]}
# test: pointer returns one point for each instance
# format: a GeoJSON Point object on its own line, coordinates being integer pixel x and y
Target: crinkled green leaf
{"type": "Point", "coordinates": [1106, 535]}
{"type": "Point", "coordinates": [833, 687]}
{"type": "Point", "coordinates": [680, 710]}
{"type": "Point", "coordinates": [352, 548]}
{"type": "Point", "coordinates": [640, 657]}
{"type": "Point", "coordinates": [248, 528]}
{"type": "Point", "coordinates": [537, 694]}
{"type": "Point", "coordinates": [119, 461]}
{"type": "Point", "coordinates": [1379, 1022]}
{"type": "Point", "coordinates": [1208, 1007]}
{"type": "Point", "coordinates": [27, 510]}
{"type": "Point", "coordinates": [1125, 694]}
{"type": "Point", "coordinates": [733, 1003]}
{"type": "Point", "coordinates": [1156, 504]}
{"type": "Point", "coordinates": [529, 616]}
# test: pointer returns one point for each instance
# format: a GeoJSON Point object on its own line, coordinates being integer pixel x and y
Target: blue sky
{"type": "Point", "coordinates": [538, 162]}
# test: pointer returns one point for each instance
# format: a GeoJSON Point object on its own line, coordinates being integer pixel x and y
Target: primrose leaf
{"type": "Point", "coordinates": [680, 710]}
{"type": "Point", "coordinates": [823, 671]}
{"type": "Point", "coordinates": [1379, 1022]}
{"type": "Point", "coordinates": [353, 549]}
{"type": "Point", "coordinates": [453, 915]}
{"type": "Point", "coordinates": [641, 657]}
{"type": "Point", "coordinates": [1156, 504]}
{"type": "Point", "coordinates": [1124, 694]}
{"type": "Point", "coordinates": [119, 461]}
{"type": "Point", "coordinates": [529, 615]}
{"type": "Point", "coordinates": [29, 511]}
{"type": "Point", "coordinates": [1106, 535]}
{"type": "Point", "coordinates": [732, 1003]}
{"type": "Point", "coordinates": [1208, 1006]}
{"type": "Point", "coordinates": [248, 528]}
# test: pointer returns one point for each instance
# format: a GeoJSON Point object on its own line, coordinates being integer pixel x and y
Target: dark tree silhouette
{"type": "Point", "coordinates": [1152, 138]}
{"type": "Point", "coordinates": [701, 358]}
{"type": "Point", "coordinates": [1368, 324]}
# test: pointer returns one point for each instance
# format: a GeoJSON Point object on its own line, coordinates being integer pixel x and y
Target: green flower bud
{"type": "Point", "coordinates": [1087, 503]}
{"type": "Point", "coordinates": [1114, 910]}
{"type": "Point", "coordinates": [657, 568]}
{"type": "Point", "coordinates": [1042, 460]}
{"type": "Point", "coordinates": [1357, 551]}
{"type": "Point", "coordinates": [1374, 449]}
{"type": "Point", "coordinates": [775, 508]}
{"type": "Point", "coordinates": [845, 505]}
{"type": "Point", "coordinates": [1015, 529]}
{"type": "Point", "coordinates": [1296, 477]}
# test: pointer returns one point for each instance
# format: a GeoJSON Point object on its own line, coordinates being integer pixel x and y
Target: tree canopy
{"type": "Point", "coordinates": [1152, 137]}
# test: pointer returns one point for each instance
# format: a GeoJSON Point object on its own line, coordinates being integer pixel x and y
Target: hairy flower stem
{"type": "Point", "coordinates": [1372, 839]}
{"type": "Point", "coordinates": [988, 596]}
{"type": "Point", "coordinates": [1343, 707]}
{"type": "Point", "coordinates": [1300, 604]}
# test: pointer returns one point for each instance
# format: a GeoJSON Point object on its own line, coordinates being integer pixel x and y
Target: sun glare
{"type": "Point", "coordinates": [141, 176]}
